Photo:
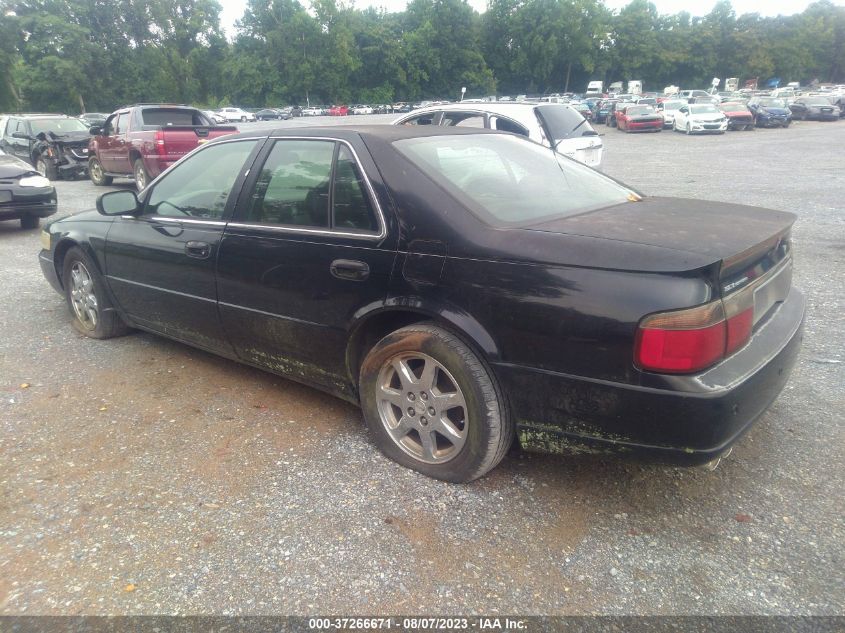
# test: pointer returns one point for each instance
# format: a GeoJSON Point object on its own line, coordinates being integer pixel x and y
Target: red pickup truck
{"type": "Point", "coordinates": [141, 141]}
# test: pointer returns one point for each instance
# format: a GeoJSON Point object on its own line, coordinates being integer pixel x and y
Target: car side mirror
{"type": "Point", "coordinates": [95, 130]}
{"type": "Point", "coordinates": [118, 203]}
{"type": "Point", "coordinates": [25, 137]}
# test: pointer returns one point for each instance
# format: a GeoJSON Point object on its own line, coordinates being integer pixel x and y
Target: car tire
{"type": "Point", "coordinates": [29, 222]}
{"type": "Point", "coordinates": [243, 119]}
{"type": "Point", "coordinates": [97, 175]}
{"type": "Point", "coordinates": [142, 178]}
{"type": "Point", "coordinates": [420, 369]}
{"type": "Point", "coordinates": [85, 292]}
{"type": "Point", "coordinates": [47, 168]}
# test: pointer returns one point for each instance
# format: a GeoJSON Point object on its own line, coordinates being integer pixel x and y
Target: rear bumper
{"type": "Point", "coordinates": [692, 422]}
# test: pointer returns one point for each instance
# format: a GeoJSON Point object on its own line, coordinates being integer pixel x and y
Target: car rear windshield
{"type": "Point", "coordinates": [561, 121]}
{"type": "Point", "coordinates": [510, 181]}
{"type": "Point", "coordinates": [172, 116]}
{"type": "Point", "coordinates": [57, 126]}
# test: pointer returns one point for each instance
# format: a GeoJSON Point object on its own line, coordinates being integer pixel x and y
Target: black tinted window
{"type": "Point", "coordinates": [352, 209]}
{"type": "Point", "coordinates": [165, 117]}
{"type": "Point", "coordinates": [293, 186]}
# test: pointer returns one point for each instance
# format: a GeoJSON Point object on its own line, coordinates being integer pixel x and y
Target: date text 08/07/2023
{"type": "Point", "coordinates": [416, 623]}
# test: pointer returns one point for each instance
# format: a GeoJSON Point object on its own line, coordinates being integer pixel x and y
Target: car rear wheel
{"type": "Point", "coordinates": [29, 222]}
{"type": "Point", "coordinates": [97, 175]}
{"type": "Point", "coordinates": [433, 406]}
{"type": "Point", "coordinates": [142, 179]}
{"type": "Point", "coordinates": [93, 314]}
{"type": "Point", "coordinates": [47, 168]}
{"type": "Point", "coordinates": [243, 119]}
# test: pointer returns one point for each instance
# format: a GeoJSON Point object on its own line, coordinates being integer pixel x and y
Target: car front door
{"type": "Point", "coordinates": [160, 264]}
{"type": "Point", "coordinates": [681, 117]}
{"type": "Point", "coordinates": [18, 145]}
{"type": "Point", "coordinates": [308, 247]}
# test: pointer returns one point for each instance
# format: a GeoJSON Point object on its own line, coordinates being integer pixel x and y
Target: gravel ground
{"type": "Point", "coordinates": [140, 476]}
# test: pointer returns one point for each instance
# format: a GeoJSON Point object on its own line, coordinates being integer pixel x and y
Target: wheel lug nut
{"type": "Point", "coordinates": [424, 421]}
{"type": "Point", "coordinates": [431, 411]}
{"type": "Point", "coordinates": [411, 411]}
{"type": "Point", "coordinates": [424, 395]}
{"type": "Point", "coordinates": [411, 397]}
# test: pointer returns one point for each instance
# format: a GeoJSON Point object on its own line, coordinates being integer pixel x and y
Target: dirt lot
{"type": "Point", "coordinates": [141, 476]}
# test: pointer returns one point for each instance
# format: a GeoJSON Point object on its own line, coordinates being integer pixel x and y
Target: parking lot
{"type": "Point", "coordinates": [142, 476]}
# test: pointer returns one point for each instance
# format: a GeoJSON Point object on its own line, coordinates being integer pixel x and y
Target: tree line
{"type": "Point", "coordinates": [65, 55]}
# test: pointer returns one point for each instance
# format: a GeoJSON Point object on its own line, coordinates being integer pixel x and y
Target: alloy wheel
{"type": "Point", "coordinates": [422, 407]}
{"type": "Point", "coordinates": [82, 296]}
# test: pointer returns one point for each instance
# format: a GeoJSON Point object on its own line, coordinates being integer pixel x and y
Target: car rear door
{"type": "Point", "coordinates": [308, 248]}
{"type": "Point", "coordinates": [160, 266]}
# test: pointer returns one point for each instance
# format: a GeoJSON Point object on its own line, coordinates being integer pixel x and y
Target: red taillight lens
{"type": "Point", "coordinates": [739, 329]}
{"type": "Point", "coordinates": [159, 143]}
{"type": "Point", "coordinates": [683, 341]}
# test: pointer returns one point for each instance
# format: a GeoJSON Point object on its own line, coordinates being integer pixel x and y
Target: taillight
{"type": "Point", "coordinates": [682, 341]}
{"type": "Point", "coordinates": [159, 143]}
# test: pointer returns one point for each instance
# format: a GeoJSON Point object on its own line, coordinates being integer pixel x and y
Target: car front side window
{"type": "Point", "coordinates": [199, 186]}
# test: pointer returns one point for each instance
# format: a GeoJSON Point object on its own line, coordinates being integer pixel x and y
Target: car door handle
{"type": "Point", "coordinates": [200, 250]}
{"type": "Point", "coordinates": [350, 269]}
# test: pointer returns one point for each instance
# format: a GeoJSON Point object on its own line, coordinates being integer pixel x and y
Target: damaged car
{"type": "Point", "coordinates": [25, 195]}
{"type": "Point", "coordinates": [55, 144]}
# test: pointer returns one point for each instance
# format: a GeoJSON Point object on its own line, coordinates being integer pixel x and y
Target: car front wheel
{"type": "Point", "coordinates": [433, 406]}
{"type": "Point", "coordinates": [93, 313]}
{"type": "Point", "coordinates": [96, 173]}
{"type": "Point", "coordinates": [47, 168]}
{"type": "Point", "coordinates": [29, 222]}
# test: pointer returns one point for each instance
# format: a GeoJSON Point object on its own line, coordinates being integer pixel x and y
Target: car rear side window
{"type": "Point", "coordinates": [293, 186]}
{"type": "Point", "coordinates": [199, 186]}
{"type": "Point", "coordinates": [316, 184]}
{"type": "Point", "coordinates": [172, 116]}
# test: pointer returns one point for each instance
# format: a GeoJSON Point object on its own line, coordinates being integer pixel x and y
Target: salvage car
{"type": "Point", "coordinates": [814, 109]}
{"type": "Point", "coordinates": [639, 118]}
{"type": "Point", "coordinates": [770, 112]}
{"type": "Point", "coordinates": [739, 116]}
{"type": "Point", "coordinates": [700, 118]}
{"type": "Point", "coordinates": [55, 144]}
{"type": "Point", "coordinates": [25, 195]}
{"type": "Point", "coordinates": [555, 125]}
{"type": "Point", "coordinates": [466, 288]}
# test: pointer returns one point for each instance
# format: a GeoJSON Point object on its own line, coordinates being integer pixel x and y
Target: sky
{"type": "Point", "coordinates": [233, 9]}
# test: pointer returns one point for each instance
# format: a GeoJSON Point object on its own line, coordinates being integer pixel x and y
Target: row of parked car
{"type": "Point", "coordinates": [697, 113]}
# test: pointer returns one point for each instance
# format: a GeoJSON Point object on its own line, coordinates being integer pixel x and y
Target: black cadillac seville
{"type": "Point", "coordinates": [465, 287]}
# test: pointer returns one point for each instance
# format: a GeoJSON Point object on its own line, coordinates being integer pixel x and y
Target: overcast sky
{"type": "Point", "coordinates": [233, 9]}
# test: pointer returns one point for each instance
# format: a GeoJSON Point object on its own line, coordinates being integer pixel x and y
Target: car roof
{"type": "Point", "coordinates": [386, 132]}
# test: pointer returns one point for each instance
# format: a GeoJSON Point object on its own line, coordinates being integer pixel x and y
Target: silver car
{"type": "Point", "coordinates": [554, 125]}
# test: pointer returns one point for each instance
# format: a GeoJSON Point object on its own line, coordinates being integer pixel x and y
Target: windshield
{"type": "Point", "coordinates": [57, 126]}
{"type": "Point", "coordinates": [673, 105]}
{"type": "Point", "coordinates": [772, 103]}
{"type": "Point", "coordinates": [639, 111]}
{"type": "Point", "coordinates": [732, 107]}
{"type": "Point", "coordinates": [560, 121]}
{"type": "Point", "coordinates": [510, 181]}
{"type": "Point", "coordinates": [704, 108]}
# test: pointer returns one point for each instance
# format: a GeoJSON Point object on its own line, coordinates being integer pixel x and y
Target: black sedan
{"type": "Point", "coordinates": [814, 108]}
{"type": "Point", "coordinates": [269, 114]}
{"type": "Point", "coordinates": [467, 288]}
{"type": "Point", "coordinates": [25, 195]}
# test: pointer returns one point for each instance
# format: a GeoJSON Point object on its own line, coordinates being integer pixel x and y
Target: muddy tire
{"type": "Point", "coordinates": [142, 178]}
{"type": "Point", "coordinates": [433, 405]}
{"type": "Point", "coordinates": [85, 292]}
{"type": "Point", "coordinates": [96, 173]}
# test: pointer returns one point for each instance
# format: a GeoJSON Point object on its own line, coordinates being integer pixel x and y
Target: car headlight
{"type": "Point", "coordinates": [45, 240]}
{"type": "Point", "coordinates": [34, 181]}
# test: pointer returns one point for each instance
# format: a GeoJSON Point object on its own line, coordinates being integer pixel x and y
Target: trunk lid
{"type": "Point", "coordinates": [738, 236]}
